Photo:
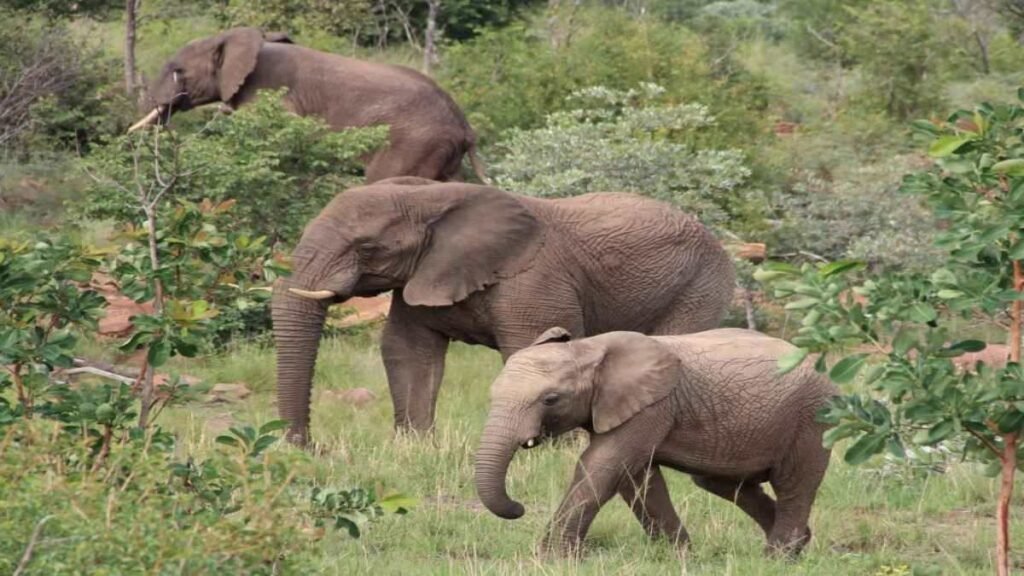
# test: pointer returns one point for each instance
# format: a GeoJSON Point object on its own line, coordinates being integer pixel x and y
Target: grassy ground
{"type": "Point", "coordinates": [876, 519]}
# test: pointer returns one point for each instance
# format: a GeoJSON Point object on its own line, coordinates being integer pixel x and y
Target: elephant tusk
{"type": "Point", "coordinates": [149, 119]}
{"type": "Point", "coordinates": [530, 443]}
{"type": "Point", "coordinates": [315, 295]}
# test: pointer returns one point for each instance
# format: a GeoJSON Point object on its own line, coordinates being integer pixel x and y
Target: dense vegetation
{"type": "Point", "coordinates": [820, 128]}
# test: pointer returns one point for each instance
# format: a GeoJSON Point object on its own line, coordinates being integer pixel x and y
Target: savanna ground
{"type": "Point", "coordinates": [882, 518]}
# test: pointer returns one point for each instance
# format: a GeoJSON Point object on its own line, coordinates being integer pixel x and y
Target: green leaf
{"type": "Point", "coordinates": [159, 353]}
{"type": "Point", "coordinates": [1017, 250]}
{"type": "Point", "coordinates": [802, 304]}
{"type": "Point", "coordinates": [397, 503]}
{"type": "Point", "coordinates": [273, 426]}
{"type": "Point", "coordinates": [968, 346]}
{"type": "Point", "coordinates": [936, 433]}
{"type": "Point", "coordinates": [1011, 167]}
{"type": "Point", "coordinates": [227, 440]}
{"type": "Point", "coordinates": [846, 369]}
{"type": "Point", "coordinates": [921, 312]}
{"type": "Point", "coordinates": [948, 145]}
{"type": "Point", "coordinates": [867, 446]}
{"type": "Point", "coordinates": [904, 340]}
{"type": "Point", "coordinates": [839, 267]}
{"type": "Point", "coordinates": [947, 294]}
{"type": "Point", "coordinates": [791, 360]}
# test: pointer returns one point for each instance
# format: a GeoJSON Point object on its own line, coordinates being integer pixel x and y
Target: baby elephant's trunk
{"type": "Point", "coordinates": [497, 447]}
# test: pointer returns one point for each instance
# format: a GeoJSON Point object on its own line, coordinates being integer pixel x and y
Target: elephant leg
{"type": "Point", "coordinates": [594, 482]}
{"type": "Point", "coordinates": [429, 158]}
{"type": "Point", "coordinates": [796, 481]}
{"type": "Point", "coordinates": [749, 496]}
{"type": "Point", "coordinates": [414, 361]}
{"type": "Point", "coordinates": [647, 496]}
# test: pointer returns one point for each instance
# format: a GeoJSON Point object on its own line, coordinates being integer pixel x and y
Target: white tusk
{"type": "Point", "coordinates": [529, 443]}
{"type": "Point", "coordinates": [149, 119]}
{"type": "Point", "coordinates": [175, 76]}
{"type": "Point", "coordinates": [316, 295]}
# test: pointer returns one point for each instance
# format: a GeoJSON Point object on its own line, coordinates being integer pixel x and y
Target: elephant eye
{"type": "Point", "coordinates": [551, 399]}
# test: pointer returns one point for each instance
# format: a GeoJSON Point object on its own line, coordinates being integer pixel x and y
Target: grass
{"type": "Point", "coordinates": [873, 519]}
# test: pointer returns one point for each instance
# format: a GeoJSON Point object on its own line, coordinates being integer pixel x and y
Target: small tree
{"type": "Point", "coordinates": [629, 141]}
{"type": "Point", "coordinates": [900, 332]}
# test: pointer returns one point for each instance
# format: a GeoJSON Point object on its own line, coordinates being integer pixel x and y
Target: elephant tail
{"type": "Point", "coordinates": [477, 164]}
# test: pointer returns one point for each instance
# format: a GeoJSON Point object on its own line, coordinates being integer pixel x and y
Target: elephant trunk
{"type": "Point", "coordinates": [298, 324]}
{"type": "Point", "coordinates": [497, 447]}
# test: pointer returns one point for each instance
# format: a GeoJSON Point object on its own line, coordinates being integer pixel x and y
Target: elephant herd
{"type": "Point", "coordinates": [604, 306]}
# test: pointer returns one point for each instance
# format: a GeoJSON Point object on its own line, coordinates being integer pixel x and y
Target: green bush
{"type": "Point", "coordinates": [629, 141]}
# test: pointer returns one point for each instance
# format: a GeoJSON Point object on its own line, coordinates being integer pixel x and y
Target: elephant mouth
{"type": "Point", "coordinates": [533, 442]}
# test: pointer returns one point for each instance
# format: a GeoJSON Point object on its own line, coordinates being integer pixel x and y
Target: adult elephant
{"type": "Point", "coordinates": [479, 265]}
{"type": "Point", "coordinates": [429, 134]}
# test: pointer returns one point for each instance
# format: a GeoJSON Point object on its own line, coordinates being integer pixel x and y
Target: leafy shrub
{"type": "Point", "coordinates": [906, 325]}
{"type": "Point", "coordinates": [280, 168]}
{"type": "Point", "coordinates": [628, 141]}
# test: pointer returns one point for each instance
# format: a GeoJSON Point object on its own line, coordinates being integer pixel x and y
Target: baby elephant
{"type": "Point", "coordinates": [710, 404]}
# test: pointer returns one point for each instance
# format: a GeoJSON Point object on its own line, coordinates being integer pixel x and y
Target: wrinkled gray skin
{"type": "Point", "coordinates": [429, 134]}
{"type": "Point", "coordinates": [712, 405]}
{"type": "Point", "coordinates": [483, 266]}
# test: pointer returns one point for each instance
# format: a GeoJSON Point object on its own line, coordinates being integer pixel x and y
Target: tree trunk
{"type": "Point", "coordinates": [1009, 455]}
{"type": "Point", "coordinates": [430, 36]}
{"type": "Point", "coordinates": [986, 68]}
{"type": "Point", "coordinates": [130, 13]}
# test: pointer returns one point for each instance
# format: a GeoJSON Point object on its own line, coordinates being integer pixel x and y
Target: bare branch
{"type": "Point", "coordinates": [27, 556]}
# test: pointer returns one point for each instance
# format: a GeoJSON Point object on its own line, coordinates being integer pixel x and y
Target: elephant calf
{"type": "Point", "coordinates": [711, 404]}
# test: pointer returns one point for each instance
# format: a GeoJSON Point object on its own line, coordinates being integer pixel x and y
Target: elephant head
{"type": "Point", "coordinates": [434, 243]}
{"type": "Point", "coordinates": [206, 70]}
{"type": "Point", "coordinates": [557, 385]}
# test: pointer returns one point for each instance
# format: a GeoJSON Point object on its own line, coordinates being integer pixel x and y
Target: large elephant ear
{"type": "Point", "coordinates": [237, 51]}
{"type": "Point", "coordinates": [634, 372]}
{"type": "Point", "coordinates": [482, 236]}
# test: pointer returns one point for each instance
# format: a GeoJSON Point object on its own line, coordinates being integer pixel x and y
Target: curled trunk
{"type": "Point", "coordinates": [298, 324]}
{"type": "Point", "coordinates": [497, 447]}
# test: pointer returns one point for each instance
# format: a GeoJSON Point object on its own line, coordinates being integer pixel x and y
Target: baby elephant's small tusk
{"type": "Point", "coordinates": [530, 443]}
{"type": "Point", "coordinates": [315, 295]}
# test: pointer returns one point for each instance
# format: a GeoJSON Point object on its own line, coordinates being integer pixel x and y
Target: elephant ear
{"type": "Point", "coordinates": [236, 56]}
{"type": "Point", "coordinates": [554, 334]}
{"type": "Point", "coordinates": [278, 37]}
{"type": "Point", "coordinates": [482, 236]}
{"type": "Point", "coordinates": [634, 372]}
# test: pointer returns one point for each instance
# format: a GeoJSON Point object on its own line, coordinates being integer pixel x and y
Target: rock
{"type": "Point", "coordinates": [234, 392]}
{"type": "Point", "coordinates": [994, 355]}
{"type": "Point", "coordinates": [356, 397]}
{"type": "Point", "coordinates": [116, 321]}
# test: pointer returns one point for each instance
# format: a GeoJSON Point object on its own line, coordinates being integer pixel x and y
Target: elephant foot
{"type": "Point", "coordinates": [556, 548]}
{"type": "Point", "coordinates": [788, 547]}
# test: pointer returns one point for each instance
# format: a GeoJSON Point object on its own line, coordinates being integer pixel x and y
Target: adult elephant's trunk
{"type": "Point", "coordinates": [298, 324]}
{"type": "Point", "coordinates": [497, 447]}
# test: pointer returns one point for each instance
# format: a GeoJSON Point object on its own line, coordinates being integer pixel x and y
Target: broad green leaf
{"type": "Point", "coordinates": [227, 440]}
{"type": "Point", "coordinates": [867, 446]}
{"type": "Point", "coordinates": [273, 426]}
{"type": "Point", "coordinates": [838, 267]}
{"type": "Point", "coordinates": [948, 145]}
{"type": "Point", "coordinates": [947, 294]}
{"type": "Point", "coordinates": [159, 352]}
{"type": "Point", "coordinates": [1017, 250]}
{"type": "Point", "coordinates": [1011, 167]}
{"type": "Point", "coordinates": [904, 340]}
{"type": "Point", "coordinates": [846, 369]}
{"type": "Point", "coordinates": [936, 433]}
{"type": "Point", "coordinates": [968, 346]}
{"type": "Point", "coordinates": [397, 503]}
{"type": "Point", "coordinates": [922, 312]}
{"type": "Point", "coordinates": [791, 360]}
{"type": "Point", "coordinates": [802, 304]}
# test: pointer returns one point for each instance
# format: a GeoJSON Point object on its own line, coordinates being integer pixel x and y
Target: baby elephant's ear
{"type": "Point", "coordinates": [555, 334]}
{"type": "Point", "coordinates": [634, 372]}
